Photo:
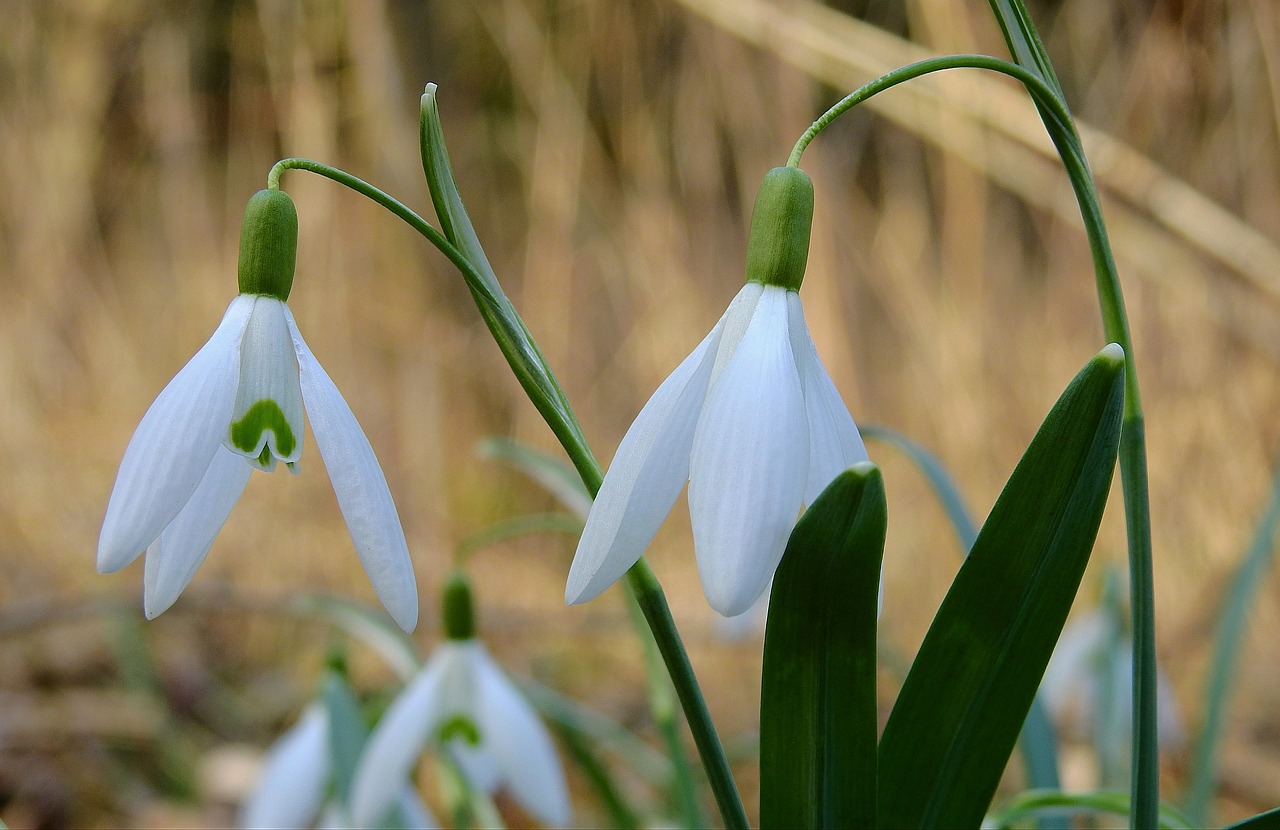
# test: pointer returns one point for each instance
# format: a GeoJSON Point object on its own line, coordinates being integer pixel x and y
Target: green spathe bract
{"type": "Point", "coordinates": [268, 245]}
{"type": "Point", "coordinates": [262, 416]}
{"type": "Point", "coordinates": [458, 610]}
{"type": "Point", "coordinates": [778, 248]}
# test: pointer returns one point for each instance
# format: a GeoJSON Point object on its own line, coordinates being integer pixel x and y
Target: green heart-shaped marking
{"type": "Point", "coordinates": [262, 416]}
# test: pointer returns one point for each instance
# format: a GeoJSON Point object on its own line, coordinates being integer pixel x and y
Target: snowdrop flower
{"type": "Point", "coordinates": [1089, 682]}
{"type": "Point", "coordinates": [462, 703]}
{"type": "Point", "coordinates": [296, 776]}
{"type": "Point", "coordinates": [750, 419]}
{"type": "Point", "coordinates": [237, 405]}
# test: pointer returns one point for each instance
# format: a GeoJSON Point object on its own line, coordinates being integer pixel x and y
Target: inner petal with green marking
{"type": "Point", "coordinates": [266, 423]}
{"type": "Point", "coordinates": [264, 431]}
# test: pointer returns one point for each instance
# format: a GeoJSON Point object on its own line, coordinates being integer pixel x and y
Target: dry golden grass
{"type": "Point", "coordinates": [609, 154]}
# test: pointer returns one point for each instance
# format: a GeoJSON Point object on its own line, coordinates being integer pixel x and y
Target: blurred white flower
{"type": "Point", "coordinates": [295, 780]}
{"type": "Point", "coordinates": [462, 703]}
{"type": "Point", "coordinates": [752, 421]}
{"type": "Point", "coordinates": [1089, 682]}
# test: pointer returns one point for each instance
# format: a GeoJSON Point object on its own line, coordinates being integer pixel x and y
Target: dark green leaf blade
{"type": "Point", "coordinates": [958, 715]}
{"type": "Point", "coordinates": [1269, 820]}
{"type": "Point", "coordinates": [818, 693]}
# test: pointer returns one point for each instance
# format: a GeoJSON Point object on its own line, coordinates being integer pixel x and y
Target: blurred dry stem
{"type": "Point", "coordinates": [608, 154]}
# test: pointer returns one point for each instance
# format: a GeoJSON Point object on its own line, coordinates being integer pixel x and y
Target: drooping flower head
{"type": "Point", "coordinates": [751, 420]}
{"type": "Point", "coordinates": [463, 704]}
{"type": "Point", "coordinates": [237, 405]}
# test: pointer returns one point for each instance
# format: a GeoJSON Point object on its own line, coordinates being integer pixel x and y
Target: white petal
{"type": "Point", "coordinates": [268, 410]}
{"type": "Point", "coordinates": [522, 746]}
{"type": "Point", "coordinates": [834, 442]}
{"type": "Point", "coordinates": [295, 776]}
{"type": "Point", "coordinates": [414, 813]}
{"type": "Point", "coordinates": [173, 444]}
{"type": "Point", "coordinates": [750, 462]}
{"type": "Point", "coordinates": [173, 558]}
{"type": "Point", "coordinates": [360, 486]}
{"type": "Point", "coordinates": [397, 741]}
{"type": "Point", "coordinates": [647, 474]}
{"type": "Point", "coordinates": [458, 697]}
{"type": "Point", "coordinates": [736, 319]}
{"type": "Point", "coordinates": [651, 465]}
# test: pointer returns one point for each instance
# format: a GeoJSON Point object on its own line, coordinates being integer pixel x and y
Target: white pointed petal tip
{"type": "Point", "coordinates": [395, 744]}
{"type": "Point", "coordinates": [645, 478]}
{"type": "Point", "coordinates": [172, 560]}
{"type": "Point", "coordinates": [294, 776]}
{"type": "Point", "coordinates": [171, 449]}
{"type": "Point", "coordinates": [361, 487]}
{"type": "Point", "coordinates": [522, 746]}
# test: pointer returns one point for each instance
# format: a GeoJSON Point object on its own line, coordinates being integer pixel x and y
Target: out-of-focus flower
{"type": "Point", "coordinates": [1088, 686]}
{"type": "Point", "coordinates": [751, 420]}
{"type": "Point", "coordinates": [238, 405]}
{"type": "Point", "coordinates": [462, 703]}
{"type": "Point", "coordinates": [295, 779]}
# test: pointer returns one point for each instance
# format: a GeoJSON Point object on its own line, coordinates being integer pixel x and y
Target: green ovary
{"type": "Point", "coordinates": [262, 416]}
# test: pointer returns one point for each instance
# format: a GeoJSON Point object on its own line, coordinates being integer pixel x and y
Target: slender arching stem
{"type": "Point", "coordinates": [545, 393]}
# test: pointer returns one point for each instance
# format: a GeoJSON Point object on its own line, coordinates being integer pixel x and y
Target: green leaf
{"type": "Point", "coordinates": [944, 486]}
{"type": "Point", "coordinates": [818, 693]}
{"type": "Point", "coordinates": [508, 330]}
{"type": "Point", "coordinates": [1226, 654]}
{"type": "Point", "coordinates": [369, 625]}
{"type": "Point", "coordinates": [1038, 741]}
{"type": "Point", "coordinates": [1270, 820]}
{"type": "Point", "coordinates": [1055, 803]}
{"type": "Point", "coordinates": [347, 731]}
{"type": "Point", "coordinates": [551, 473]}
{"type": "Point", "coordinates": [957, 718]}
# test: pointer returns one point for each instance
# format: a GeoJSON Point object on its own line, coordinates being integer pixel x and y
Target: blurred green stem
{"type": "Point", "coordinates": [640, 579]}
{"type": "Point", "coordinates": [661, 704]}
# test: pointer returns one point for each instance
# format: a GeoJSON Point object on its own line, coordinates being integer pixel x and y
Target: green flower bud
{"type": "Point", "coordinates": [458, 611]}
{"type": "Point", "coordinates": [268, 245]}
{"type": "Point", "coordinates": [780, 224]}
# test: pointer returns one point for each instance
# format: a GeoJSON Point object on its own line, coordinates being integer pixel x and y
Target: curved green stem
{"type": "Point", "coordinates": [1042, 92]}
{"type": "Point", "coordinates": [545, 393]}
{"type": "Point", "coordinates": [509, 332]}
{"type": "Point", "coordinates": [1037, 76]}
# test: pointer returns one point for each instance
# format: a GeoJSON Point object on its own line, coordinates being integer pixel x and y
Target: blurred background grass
{"type": "Point", "coordinates": [609, 154]}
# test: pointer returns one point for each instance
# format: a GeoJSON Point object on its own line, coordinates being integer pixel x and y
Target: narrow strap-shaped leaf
{"type": "Point", "coordinates": [508, 329]}
{"type": "Point", "coordinates": [818, 693]}
{"type": "Point", "coordinates": [1064, 805]}
{"type": "Point", "coordinates": [1270, 820]}
{"type": "Point", "coordinates": [954, 725]}
{"type": "Point", "coordinates": [550, 472]}
{"type": "Point", "coordinates": [1038, 741]}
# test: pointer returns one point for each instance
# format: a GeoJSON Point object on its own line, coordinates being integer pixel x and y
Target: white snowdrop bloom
{"type": "Point", "coordinates": [295, 776]}
{"type": "Point", "coordinates": [295, 779]}
{"type": "Point", "coordinates": [463, 704]}
{"type": "Point", "coordinates": [238, 405]}
{"type": "Point", "coordinates": [1089, 679]}
{"type": "Point", "coordinates": [751, 420]}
